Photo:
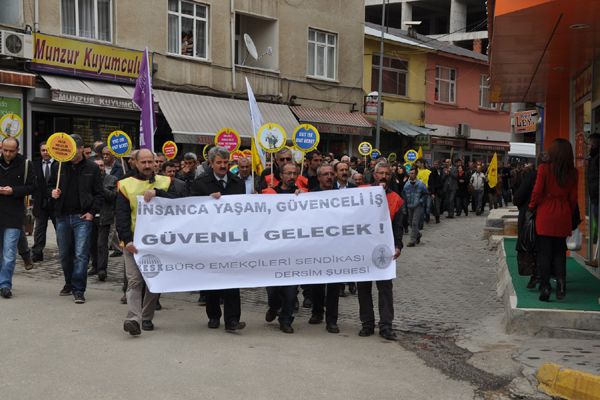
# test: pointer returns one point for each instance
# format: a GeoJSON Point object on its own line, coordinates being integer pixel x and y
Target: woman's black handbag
{"type": "Point", "coordinates": [526, 240]}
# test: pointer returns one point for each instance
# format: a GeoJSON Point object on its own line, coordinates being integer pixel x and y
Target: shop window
{"type": "Point", "coordinates": [12, 12]}
{"type": "Point", "coordinates": [87, 18]}
{"type": "Point", "coordinates": [445, 85]}
{"type": "Point", "coordinates": [322, 54]}
{"type": "Point", "coordinates": [263, 33]}
{"type": "Point", "coordinates": [395, 76]}
{"type": "Point", "coordinates": [188, 29]}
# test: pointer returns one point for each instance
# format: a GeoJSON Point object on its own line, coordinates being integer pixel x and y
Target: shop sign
{"type": "Point", "coordinates": [343, 129]}
{"type": "Point", "coordinates": [423, 141]}
{"type": "Point", "coordinates": [371, 105]}
{"type": "Point", "coordinates": [85, 59]}
{"type": "Point", "coordinates": [10, 105]}
{"type": "Point", "coordinates": [93, 100]}
{"type": "Point", "coordinates": [526, 121]}
{"type": "Point", "coordinates": [446, 141]}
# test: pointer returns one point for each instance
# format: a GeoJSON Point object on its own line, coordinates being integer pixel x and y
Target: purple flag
{"type": "Point", "coordinates": [144, 99]}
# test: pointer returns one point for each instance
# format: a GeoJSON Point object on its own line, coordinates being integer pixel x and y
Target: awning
{"type": "Point", "coordinates": [328, 121]}
{"type": "Point", "coordinates": [487, 145]}
{"type": "Point", "coordinates": [16, 78]}
{"type": "Point", "coordinates": [90, 93]}
{"type": "Point", "coordinates": [405, 128]}
{"type": "Point", "coordinates": [518, 149]}
{"type": "Point", "coordinates": [196, 119]}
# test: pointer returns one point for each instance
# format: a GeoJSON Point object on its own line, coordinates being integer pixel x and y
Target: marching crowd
{"type": "Point", "coordinates": [91, 201]}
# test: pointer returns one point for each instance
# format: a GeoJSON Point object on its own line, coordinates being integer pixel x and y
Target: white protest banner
{"type": "Point", "coordinates": [199, 243]}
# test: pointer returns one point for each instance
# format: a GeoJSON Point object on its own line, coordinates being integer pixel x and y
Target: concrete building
{"type": "Point", "coordinates": [308, 66]}
{"type": "Point", "coordinates": [462, 22]}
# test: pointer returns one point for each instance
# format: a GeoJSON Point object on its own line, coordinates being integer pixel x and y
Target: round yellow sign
{"type": "Point", "coordinates": [11, 125]}
{"type": "Point", "coordinates": [271, 137]}
{"type": "Point", "coordinates": [61, 147]}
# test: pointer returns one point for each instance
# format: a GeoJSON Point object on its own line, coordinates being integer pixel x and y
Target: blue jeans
{"type": "Point", "coordinates": [8, 249]}
{"type": "Point", "coordinates": [478, 200]}
{"type": "Point", "coordinates": [73, 235]}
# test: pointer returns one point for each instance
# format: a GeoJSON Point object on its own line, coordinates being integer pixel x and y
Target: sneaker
{"type": "Point", "coordinates": [132, 327]}
{"type": "Point", "coordinates": [6, 293]}
{"type": "Point", "coordinates": [147, 325]}
{"type": "Point", "coordinates": [78, 298]}
{"type": "Point", "coordinates": [66, 290]}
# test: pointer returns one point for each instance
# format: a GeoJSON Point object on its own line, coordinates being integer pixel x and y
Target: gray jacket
{"type": "Point", "coordinates": [109, 193]}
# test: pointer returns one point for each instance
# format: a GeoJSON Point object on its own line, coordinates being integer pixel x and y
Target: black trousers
{"type": "Point", "coordinates": [283, 298]}
{"type": "Point", "coordinates": [23, 246]}
{"type": "Point", "coordinates": [39, 233]}
{"type": "Point", "coordinates": [385, 303]}
{"type": "Point", "coordinates": [449, 197]}
{"type": "Point", "coordinates": [462, 203]}
{"type": "Point", "coordinates": [232, 308]}
{"type": "Point", "coordinates": [99, 246]}
{"type": "Point", "coordinates": [333, 299]}
{"type": "Point", "coordinates": [551, 258]}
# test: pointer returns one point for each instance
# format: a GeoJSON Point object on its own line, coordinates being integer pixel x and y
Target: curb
{"type": "Point", "coordinates": [557, 381]}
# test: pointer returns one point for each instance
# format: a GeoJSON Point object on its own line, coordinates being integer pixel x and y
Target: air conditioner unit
{"type": "Point", "coordinates": [463, 130]}
{"type": "Point", "coordinates": [16, 44]}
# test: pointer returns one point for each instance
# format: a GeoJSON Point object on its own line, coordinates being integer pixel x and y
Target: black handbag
{"type": "Point", "coordinates": [526, 241]}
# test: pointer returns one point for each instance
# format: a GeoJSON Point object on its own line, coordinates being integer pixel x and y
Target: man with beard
{"type": "Point", "coordinates": [313, 162]}
{"type": "Point", "coordinates": [283, 298]}
{"type": "Point", "coordinates": [216, 182]}
{"type": "Point", "coordinates": [144, 182]}
{"type": "Point", "coordinates": [382, 175]}
{"type": "Point", "coordinates": [326, 176]}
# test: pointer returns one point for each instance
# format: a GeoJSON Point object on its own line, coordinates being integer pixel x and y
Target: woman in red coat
{"type": "Point", "coordinates": [554, 198]}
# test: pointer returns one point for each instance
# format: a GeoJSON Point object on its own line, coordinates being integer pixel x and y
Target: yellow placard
{"type": "Point", "coordinates": [271, 137]}
{"type": "Point", "coordinates": [86, 57]}
{"type": "Point", "coordinates": [11, 125]}
{"type": "Point", "coordinates": [228, 138]}
{"type": "Point", "coordinates": [205, 151]}
{"type": "Point", "coordinates": [365, 148]}
{"type": "Point", "coordinates": [306, 138]}
{"type": "Point", "coordinates": [169, 149]}
{"type": "Point", "coordinates": [411, 156]}
{"type": "Point", "coordinates": [392, 157]}
{"type": "Point", "coordinates": [61, 147]}
{"type": "Point", "coordinates": [119, 144]}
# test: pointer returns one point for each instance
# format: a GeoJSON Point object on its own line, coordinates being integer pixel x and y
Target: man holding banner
{"type": "Point", "coordinates": [215, 182]}
{"type": "Point", "coordinates": [145, 183]}
{"type": "Point", "coordinates": [382, 175]}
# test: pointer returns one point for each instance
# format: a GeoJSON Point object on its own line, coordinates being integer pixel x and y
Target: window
{"type": "Point", "coordinates": [445, 85]}
{"type": "Point", "coordinates": [188, 29]}
{"type": "Point", "coordinates": [12, 12]}
{"type": "Point", "coordinates": [395, 74]}
{"type": "Point", "coordinates": [87, 18]}
{"type": "Point", "coordinates": [321, 54]}
{"type": "Point", "coordinates": [263, 33]}
{"type": "Point", "coordinates": [484, 93]}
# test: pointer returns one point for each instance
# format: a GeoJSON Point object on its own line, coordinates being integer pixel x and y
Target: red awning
{"type": "Point", "coordinates": [488, 146]}
{"type": "Point", "coordinates": [328, 121]}
{"type": "Point", "coordinates": [15, 78]}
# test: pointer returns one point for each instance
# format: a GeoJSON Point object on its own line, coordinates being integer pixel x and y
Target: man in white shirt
{"type": "Point", "coordinates": [478, 184]}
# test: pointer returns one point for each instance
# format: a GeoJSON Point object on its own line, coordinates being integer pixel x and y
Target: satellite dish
{"type": "Point", "coordinates": [250, 46]}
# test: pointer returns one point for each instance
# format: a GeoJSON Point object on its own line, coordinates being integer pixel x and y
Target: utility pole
{"type": "Point", "coordinates": [380, 83]}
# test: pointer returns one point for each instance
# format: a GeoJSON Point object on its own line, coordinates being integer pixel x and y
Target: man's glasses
{"type": "Point", "coordinates": [285, 159]}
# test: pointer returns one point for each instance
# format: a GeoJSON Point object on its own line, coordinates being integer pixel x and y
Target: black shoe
{"type": "Point", "coordinates": [352, 288]}
{"type": "Point", "coordinates": [78, 298]}
{"type": "Point", "coordinates": [235, 326]}
{"type": "Point", "coordinates": [545, 293]}
{"type": "Point", "coordinates": [270, 315]}
{"type": "Point", "coordinates": [533, 281]}
{"type": "Point", "coordinates": [92, 272]}
{"type": "Point", "coordinates": [28, 263]}
{"type": "Point", "coordinates": [419, 238]}
{"type": "Point", "coordinates": [315, 319]}
{"type": "Point", "coordinates": [116, 253]}
{"type": "Point", "coordinates": [437, 220]}
{"type": "Point", "coordinates": [102, 276]}
{"type": "Point", "coordinates": [561, 289]}
{"type": "Point", "coordinates": [147, 325]}
{"type": "Point", "coordinates": [37, 258]}
{"type": "Point", "coordinates": [307, 303]}
{"type": "Point", "coordinates": [214, 323]}
{"type": "Point", "coordinates": [6, 293]}
{"type": "Point", "coordinates": [332, 328]}
{"type": "Point", "coordinates": [124, 299]}
{"type": "Point", "coordinates": [286, 328]}
{"type": "Point", "coordinates": [158, 306]}
{"type": "Point", "coordinates": [387, 334]}
{"type": "Point", "coordinates": [366, 331]}
{"type": "Point", "coordinates": [410, 244]}
{"type": "Point", "coordinates": [132, 327]}
{"type": "Point", "coordinates": [66, 290]}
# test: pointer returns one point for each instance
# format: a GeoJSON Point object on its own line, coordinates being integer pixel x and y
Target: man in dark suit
{"type": "Point", "coordinates": [217, 181]}
{"type": "Point", "coordinates": [342, 174]}
{"type": "Point", "coordinates": [42, 206]}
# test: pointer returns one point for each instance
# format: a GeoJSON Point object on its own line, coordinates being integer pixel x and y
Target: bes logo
{"type": "Point", "coordinates": [150, 265]}
{"type": "Point", "coordinates": [382, 256]}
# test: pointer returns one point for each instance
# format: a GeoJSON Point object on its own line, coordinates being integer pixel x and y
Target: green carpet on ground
{"type": "Point", "coordinates": [583, 288]}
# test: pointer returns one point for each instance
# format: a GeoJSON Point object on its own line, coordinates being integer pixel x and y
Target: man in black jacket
{"type": "Point", "coordinates": [16, 181]}
{"type": "Point", "coordinates": [217, 182]}
{"type": "Point", "coordinates": [78, 198]}
{"type": "Point", "coordinates": [42, 207]}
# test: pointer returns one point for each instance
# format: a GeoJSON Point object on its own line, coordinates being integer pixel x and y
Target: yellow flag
{"type": "Point", "coordinates": [493, 171]}
{"type": "Point", "coordinates": [256, 163]}
{"type": "Point", "coordinates": [420, 153]}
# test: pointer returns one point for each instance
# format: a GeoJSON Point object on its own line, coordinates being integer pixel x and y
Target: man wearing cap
{"type": "Point", "coordinates": [77, 199]}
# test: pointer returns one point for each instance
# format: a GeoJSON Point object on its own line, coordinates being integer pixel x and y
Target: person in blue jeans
{"type": "Point", "coordinates": [77, 199]}
{"type": "Point", "coordinates": [16, 181]}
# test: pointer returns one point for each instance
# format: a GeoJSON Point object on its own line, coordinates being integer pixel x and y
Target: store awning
{"type": "Point", "coordinates": [90, 93]}
{"type": "Point", "coordinates": [405, 128]}
{"type": "Point", "coordinates": [196, 119]}
{"type": "Point", "coordinates": [17, 78]}
{"type": "Point", "coordinates": [339, 122]}
{"type": "Point", "coordinates": [485, 145]}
